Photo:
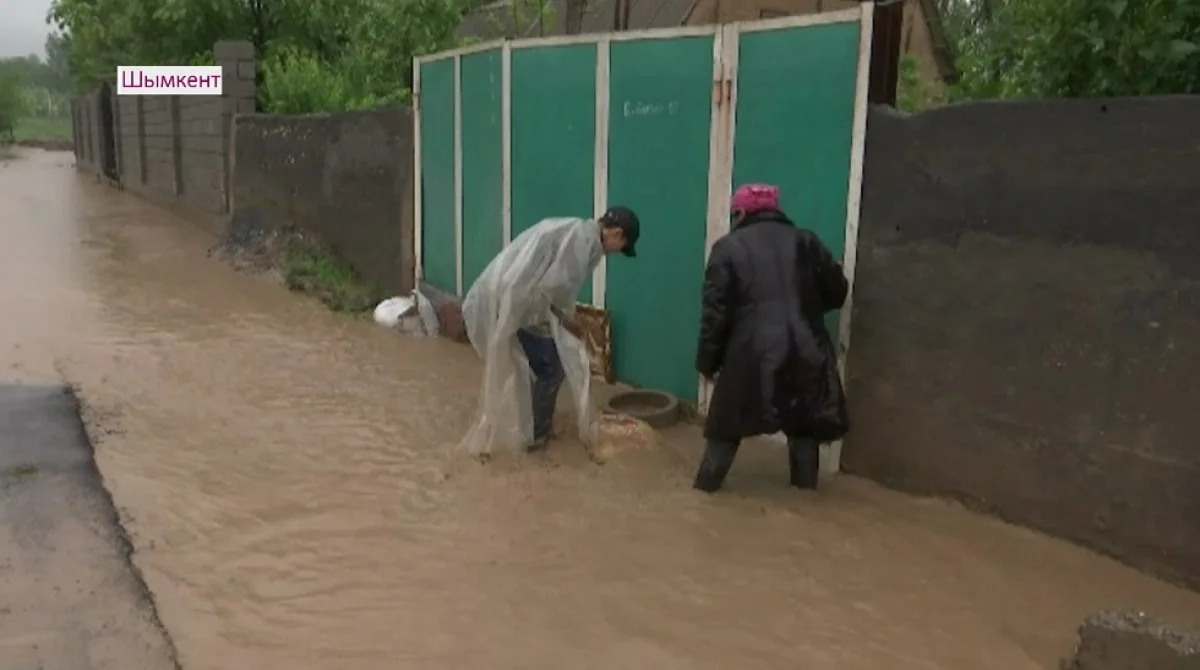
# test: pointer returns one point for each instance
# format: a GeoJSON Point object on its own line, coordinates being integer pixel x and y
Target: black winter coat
{"type": "Point", "coordinates": [767, 288]}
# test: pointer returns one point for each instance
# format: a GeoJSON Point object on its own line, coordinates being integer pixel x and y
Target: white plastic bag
{"type": "Point", "coordinates": [411, 315]}
{"type": "Point", "coordinates": [429, 317]}
{"type": "Point", "coordinates": [389, 312]}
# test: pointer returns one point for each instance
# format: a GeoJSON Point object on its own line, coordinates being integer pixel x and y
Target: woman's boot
{"type": "Point", "coordinates": [804, 462]}
{"type": "Point", "coordinates": [718, 459]}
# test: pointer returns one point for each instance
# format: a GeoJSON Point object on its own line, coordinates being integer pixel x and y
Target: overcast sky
{"type": "Point", "coordinates": [23, 27]}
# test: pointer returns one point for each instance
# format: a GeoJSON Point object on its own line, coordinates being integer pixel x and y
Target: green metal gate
{"type": "Point", "coordinates": [793, 126]}
{"type": "Point", "coordinates": [666, 122]}
{"type": "Point", "coordinates": [553, 162]}
{"type": "Point", "coordinates": [660, 126]}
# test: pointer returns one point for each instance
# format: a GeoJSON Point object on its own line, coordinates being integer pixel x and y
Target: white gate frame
{"type": "Point", "coordinates": [721, 168]}
{"type": "Point", "coordinates": [721, 143]}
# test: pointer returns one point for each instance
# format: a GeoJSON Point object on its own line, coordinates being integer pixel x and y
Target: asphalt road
{"type": "Point", "coordinates": [69, 597]}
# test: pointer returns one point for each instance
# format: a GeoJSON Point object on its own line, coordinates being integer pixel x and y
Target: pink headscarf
{"type": "Point", "coordinates": [752, 198]}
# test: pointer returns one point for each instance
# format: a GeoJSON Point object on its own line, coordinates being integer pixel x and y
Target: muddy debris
{"type": "Point", "coordinates": [296, 259]}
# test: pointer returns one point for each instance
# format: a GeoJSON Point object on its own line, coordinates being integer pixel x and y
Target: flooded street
{"type": "Point", "coordinates": [283, 474]}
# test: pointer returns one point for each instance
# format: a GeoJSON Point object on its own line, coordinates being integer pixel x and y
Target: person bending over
{"type": "Point", "coordinates": [533, 282]}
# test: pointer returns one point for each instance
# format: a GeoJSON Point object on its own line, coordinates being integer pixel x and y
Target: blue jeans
{"type": "Point", "coordinates": [548, 376]}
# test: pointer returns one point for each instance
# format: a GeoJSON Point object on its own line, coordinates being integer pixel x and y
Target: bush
{"type": "Point", "coordinates": [298, 82]}
{"type": "Point", "coordinates": [11, 103]}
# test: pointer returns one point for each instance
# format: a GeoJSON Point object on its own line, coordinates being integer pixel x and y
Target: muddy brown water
{"type": "Point", "coordinates": [282, 472]}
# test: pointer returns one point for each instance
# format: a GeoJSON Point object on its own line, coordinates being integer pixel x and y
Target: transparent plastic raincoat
{"type": "Point", "coordinates": [531, 282]}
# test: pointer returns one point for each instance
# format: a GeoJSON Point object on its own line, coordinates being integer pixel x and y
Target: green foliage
{"type": "Point", "coordinates": [43, 103]}
{"type": "Point", "coordinates": [12, 105]}
{"type": "Point", "coordinates": [297, 82]}
{"type": "Point", "coordinates": [913, 92]}
{"type": "Point", "coordinates": [310, 269]}
{"type": "Point", "coordinates": [317, 55]}
{"type": "Point", "coordinates": [43, 129]}
{"type": "Point", "coordinates": [34, 94]}
{"type": "Point", "coordinates": [1074, 48]}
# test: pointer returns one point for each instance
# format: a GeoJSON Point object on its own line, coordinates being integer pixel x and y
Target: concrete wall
{"type": "Point", "coordinates": [174, 149]}
{"type": "Point", "coordinates": [1027, 318]}
{"type": "Point", "coordinates": [345, 177]}
{"type": "Point", "coordinates": [85, 115]}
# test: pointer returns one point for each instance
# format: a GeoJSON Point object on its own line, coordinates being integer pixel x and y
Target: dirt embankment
{"type": "Point", "coordinates": [298, 260]}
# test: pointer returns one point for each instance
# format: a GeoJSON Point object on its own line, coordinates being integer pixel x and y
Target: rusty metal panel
{"type": "Point", "coordinates": [597, 328]}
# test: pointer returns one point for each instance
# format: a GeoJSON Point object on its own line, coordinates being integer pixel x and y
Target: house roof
{"type": "Point", "coordinates": [495, 20]}
{"type": "Point", "coordinates": [942, 52]}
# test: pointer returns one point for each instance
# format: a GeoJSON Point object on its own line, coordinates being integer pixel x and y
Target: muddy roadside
{"type": "Point", "coordinates": [297, 260]}
{"type": "Point", "coordinates": [48, 145]}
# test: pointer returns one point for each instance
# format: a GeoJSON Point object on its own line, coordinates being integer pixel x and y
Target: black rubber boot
{"type": "Point", "coordinates": [804, 462]}
{"type": "Point", "coordinates": [718, 459]}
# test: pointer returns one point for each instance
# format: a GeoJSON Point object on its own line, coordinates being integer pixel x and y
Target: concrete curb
{"type": "Point", "coordinates": [1130, 640]}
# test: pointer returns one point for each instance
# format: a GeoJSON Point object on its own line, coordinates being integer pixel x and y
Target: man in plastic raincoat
{"type": "Point", "coordinates": [515, 314]}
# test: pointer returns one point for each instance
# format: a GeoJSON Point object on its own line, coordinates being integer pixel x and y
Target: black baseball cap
{"type": "Point", "coordinates": [627, 221]}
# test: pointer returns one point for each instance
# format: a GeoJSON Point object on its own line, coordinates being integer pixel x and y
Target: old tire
{"type": "Point", "coordinates": [658, 409]}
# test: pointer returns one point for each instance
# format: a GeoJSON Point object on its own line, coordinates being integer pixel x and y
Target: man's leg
{"type": "Point", "coordinates": [548, 375]}
{"type": "Point", "coordinates": [804, 462]}
{"type": "Point", "coordinates": [718, 459]}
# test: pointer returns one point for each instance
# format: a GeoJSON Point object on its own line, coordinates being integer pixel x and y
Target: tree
{"type": "Point", "coordinates": [56, 63]}
{"type": "Point", "coordinates": [1074, 48]}
{"type": "Point", "coordinates": [366, 45]}
{"type": "Point", "coordinates": [367, 64]}
{"type": "Point", "coordinates": [11, 83]}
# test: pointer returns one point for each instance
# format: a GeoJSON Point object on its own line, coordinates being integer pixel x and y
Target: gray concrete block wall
{"type": "Point", "coordinates": [87, 132]}
{"type": "Point", "coordinates": [1026, 328]}
{"type": "Point", "coordinates": [203, 145]}
{"type": "Point", "coordinates": [127, 131]}
{"type": "Point", "coordinates": [347, 178]}
{"type": "Point", "coordinates": [158, 136]}
{"type": "Point", "coordinates": [175, 149]}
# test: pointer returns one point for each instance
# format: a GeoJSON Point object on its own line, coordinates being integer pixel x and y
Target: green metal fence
{"type": "Point", "coordinates": [666, 122]}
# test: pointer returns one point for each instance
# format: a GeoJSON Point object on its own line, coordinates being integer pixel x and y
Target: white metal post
{"type": "Point", "coordinates": [458, 177]}
{"type": "Point", "coordinates": [720, 155]}
{"type": "Point", "coordinates": [600, 177]}
{"type": "Point", "coordinates": [832, 460]}
{"type": "Point", "coordinates": [506, 140]}
{"type": "Point", "coordinates": [418, 218]}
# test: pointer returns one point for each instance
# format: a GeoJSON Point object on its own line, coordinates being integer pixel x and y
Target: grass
{"type": "Point", "coordinates": [35, 130]}
{"type": "Point", "coordinates": [332, 280]}
{"type": "Point", "coordinates": [21, 471]}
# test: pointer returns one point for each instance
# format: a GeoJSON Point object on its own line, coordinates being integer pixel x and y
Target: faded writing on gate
{"type": "Point", "coordinates": [632, 108]}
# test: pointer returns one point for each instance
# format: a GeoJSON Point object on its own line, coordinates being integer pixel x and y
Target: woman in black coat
{"type": "Point", "coordinates": [767, 289]}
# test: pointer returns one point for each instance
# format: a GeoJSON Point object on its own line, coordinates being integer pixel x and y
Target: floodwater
{"type": "Point", "coordinates": [283, 473]}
